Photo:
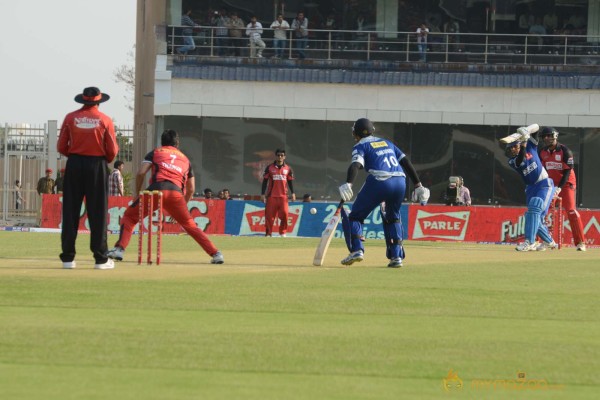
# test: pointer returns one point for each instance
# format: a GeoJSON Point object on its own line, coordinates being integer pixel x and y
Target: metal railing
{"type": "Point", "coordinates": [403, 47]}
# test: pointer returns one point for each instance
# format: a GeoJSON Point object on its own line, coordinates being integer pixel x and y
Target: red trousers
{"type": "Point", "coordinates": [567, 194]}
{"type": "Point", "coordinates": [173, 203]}
{"type": "Point", "coordinates": [276, 207]}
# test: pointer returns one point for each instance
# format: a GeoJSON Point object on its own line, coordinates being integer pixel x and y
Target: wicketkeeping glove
{"type": "Point", "coordinates": [346, 191]}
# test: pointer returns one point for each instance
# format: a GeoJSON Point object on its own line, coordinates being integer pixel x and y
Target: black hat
{"type": "Point", "coordinates": [91, 95]}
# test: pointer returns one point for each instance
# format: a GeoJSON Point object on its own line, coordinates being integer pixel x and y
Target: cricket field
{"type": "Point", "coordinates": [457, 321]}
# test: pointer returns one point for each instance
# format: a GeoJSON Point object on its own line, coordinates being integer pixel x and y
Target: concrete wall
{"type": "Point", "coordinates": [338, 102]}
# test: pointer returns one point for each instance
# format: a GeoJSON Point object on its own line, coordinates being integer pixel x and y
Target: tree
{"type": "Point", "coordinates": [126, 74]}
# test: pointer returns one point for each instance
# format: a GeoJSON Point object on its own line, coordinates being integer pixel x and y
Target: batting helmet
{"type": "Point", "coordinates": [363, 128]}
{"type": "Point", "coordinates": [548, 130]}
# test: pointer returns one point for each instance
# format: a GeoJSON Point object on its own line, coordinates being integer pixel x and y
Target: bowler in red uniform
{"type": "Point", "coordinates": [558, 161]}
{"type": "Point", "coordinates": [277, 177]}
{"type": "Point", "coordinates": [171, 174]}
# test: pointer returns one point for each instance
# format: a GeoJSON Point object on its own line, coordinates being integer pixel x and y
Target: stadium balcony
{"type": "Point", "coordinates": [382, 57]}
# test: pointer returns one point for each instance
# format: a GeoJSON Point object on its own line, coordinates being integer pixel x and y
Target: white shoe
{"type": "Point", "coordinates": [69, 265]}
{"type": "Point", "coordinates": [543, 246]}
{"type": "Point", "coordinates": [116, 253]}
{"type": "Point", "coordinates": [356, 256]}
{"type": "Point", "coordinates": [109, 264]}
{"type": "Point", "coordinates": [526, 246]}
{"type": "Point", "coordinates": [283, 235]}
{"type": "Point", "coordinates": [217, 258]}
{"type": "Point", "coordinates": [395, 263]}
{"type": "Point", "coordinates": [581, 247]}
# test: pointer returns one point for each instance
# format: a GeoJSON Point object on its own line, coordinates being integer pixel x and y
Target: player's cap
{"type": "Point", "coordinates": [363, 127]}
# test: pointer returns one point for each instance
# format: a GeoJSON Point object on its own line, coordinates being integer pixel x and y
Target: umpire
{"type": "Point", "coordinates": [87, 137]}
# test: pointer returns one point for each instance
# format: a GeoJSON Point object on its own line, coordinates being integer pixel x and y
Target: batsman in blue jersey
{"type": "Point", "coordinates": [388, 168]}
{"type": "Point", "coordinates": [539, 189]}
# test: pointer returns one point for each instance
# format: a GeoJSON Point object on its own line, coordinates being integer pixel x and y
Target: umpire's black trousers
{"type": "Point", "coordinates": [85, 176]}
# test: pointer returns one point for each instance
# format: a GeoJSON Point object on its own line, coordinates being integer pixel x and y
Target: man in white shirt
{"type": "Point", "coordinates": [279, 26]}
{"type": "Point", "coordinates": [254, 31]}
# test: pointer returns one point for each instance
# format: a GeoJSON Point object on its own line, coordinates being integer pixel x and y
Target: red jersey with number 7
{"type": "Point", "coordinates": [278, 177]}
{"type": "Point", "coordinates": [169, 164]}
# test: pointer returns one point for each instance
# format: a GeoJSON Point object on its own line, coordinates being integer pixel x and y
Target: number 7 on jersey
{"type": "Point", "coordinates": [326, 237]}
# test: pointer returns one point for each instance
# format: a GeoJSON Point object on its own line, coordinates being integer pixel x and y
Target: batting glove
{"type": "Point", "coordinates": [346, 191]}
{"type": "Point", "coordinates": [524, 133]}
{"type": "Point", "coordinates": [557, 192]}
{"type": "Point", "coordinates": [422, 194]}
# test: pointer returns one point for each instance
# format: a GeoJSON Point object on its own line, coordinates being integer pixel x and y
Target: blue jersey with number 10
{"type": "Point", "coordinates": [379, 157]}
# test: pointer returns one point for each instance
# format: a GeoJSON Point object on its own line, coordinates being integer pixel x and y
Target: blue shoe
{"type": "Point", "coordinates": [356, 256]}
{"type": "Point", "coordinates": [395, 263]}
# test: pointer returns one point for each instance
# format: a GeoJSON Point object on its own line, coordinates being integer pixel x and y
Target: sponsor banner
{"type": "Point", "coordinates": [486, 224]}
{"type": "Point", "coordinates": [209, 215]}
{"type": "Point", "coordinates": [469, 224]}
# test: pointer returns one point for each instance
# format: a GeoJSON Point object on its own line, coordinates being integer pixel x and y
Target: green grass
{"type": "Point", "coordinates": [267, 325]}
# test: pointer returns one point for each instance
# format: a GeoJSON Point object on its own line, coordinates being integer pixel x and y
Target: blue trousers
{"type": "Point", "coordinates": [374, 192]}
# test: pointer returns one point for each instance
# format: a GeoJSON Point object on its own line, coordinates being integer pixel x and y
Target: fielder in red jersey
{"type": "Point", "coordinates": [171, 174]}
{"type": "Point", "coordinates": [558, 161]}
{"type": "Point", "coordinates": [277, 177]}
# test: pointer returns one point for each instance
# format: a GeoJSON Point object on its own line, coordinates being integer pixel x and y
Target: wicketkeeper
{"type": "Point", "coordinates": [172, 174]}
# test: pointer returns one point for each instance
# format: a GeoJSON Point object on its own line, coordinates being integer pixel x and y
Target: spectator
{"type": "Point", "coordinates": [19, 200]}
{"type": "Point", "coordinates": [538, 30]}
{"type": "Point", "coordinates": [559, 162]}
{"type": "Point", "coordinates": [307, 198]}
{"type": "Point", "coordinates": [236, 25]}
{"type": "Point", "coordinates": [177, 184]}
{"type": "Point", "coordinates": [208, 193]}
{"type": "Point", "coordinates": [300, 28]}
{"type": "Point", "coordinates": [422, 32]}
{"type": "Point", "coordinates": [60, 180]}
{"type": "Point", "coordinates": [222, 22]}
{"type": "Point", "coordinates": [526, 19]}
{"type": "Point", "coordinates": [457, 194]}
{"type": "Point", "coordinates": [360, 37]}
{"type": "Point", "coordinates": [226, 194]}
{"type": "Point", "coordinates": [115, 179]}
{"type": "Point", "coordinates": [89, 147]}
{"type": "Point", "coordinates": [46, 184]}
{"type": "Point", "coordinates": [330, 24]}
{"type": "Point", "coordinates": [550, 21]}
{"type": "Point", "coordinates": [464, 194]}
{"type": "Point", "coordinates": [254, 31]}
{"type": "Point", "coordinates": [277, 178]}
{"type": "Point", "coordinates": [188, 40]}
{"type": "Point", "coordinates": [280, 27]}
{"type": "Point", "coordinates": [451, 27]}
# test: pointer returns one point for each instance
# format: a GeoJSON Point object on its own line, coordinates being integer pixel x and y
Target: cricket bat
{"type": "Point", "coordinates": [326, 237]}
{"type": "Point", "coordinates": [517, 136]}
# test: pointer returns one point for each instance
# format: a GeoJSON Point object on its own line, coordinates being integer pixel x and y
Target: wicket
{"type": "Point", "coordinates": [556, 221]}
{"type": "Point", "coordinates": [146, 202]}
